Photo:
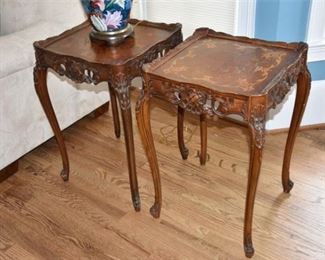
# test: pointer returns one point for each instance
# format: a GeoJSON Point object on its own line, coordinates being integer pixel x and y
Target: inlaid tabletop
{"type": "Point", "coordinates": [228, 65]}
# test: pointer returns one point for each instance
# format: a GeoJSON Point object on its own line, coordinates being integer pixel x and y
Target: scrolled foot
{"type": "Point", "coordinates": [249, 249]}
{"type": "Point", "coordinates": [185, 153]}
{"type": "Point", "coordinates": [287, 187]}
{"type": "Point", "coordinates": [64, 175]}
{"type": "Point", "coordinates": [203, 160]}
{"type": "Point", "coordinates": [137, 203]}
{"type": "Point", "coordinates": [155, 210]}
{"type": "Point", "coordinates": [117, 134]}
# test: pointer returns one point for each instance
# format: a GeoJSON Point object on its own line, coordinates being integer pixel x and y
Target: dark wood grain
{"type": "Point", "coordinates": [216, 74]}
{"type": "Point", "coordinates": [9, 170]}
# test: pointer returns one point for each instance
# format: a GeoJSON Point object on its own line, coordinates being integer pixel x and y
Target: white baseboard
{"type": "Point", "coordinates": [314, 114]}
{"type": "Point", "coordinates": [316, 53]}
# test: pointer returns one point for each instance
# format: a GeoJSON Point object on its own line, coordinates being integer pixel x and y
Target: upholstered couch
{"type": "Point", "coordinates": [23, 125]}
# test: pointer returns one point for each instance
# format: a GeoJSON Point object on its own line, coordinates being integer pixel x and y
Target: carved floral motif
{"type": "Point", "coordinates": [198, 101]}
{"type": "Point", "coordinates": [279, 91]}
{"type": "Point", "coordinates": [77, 71]}
{"type": "Point", "coordinates": [120, 83]}
{"type": "Point", "coordinates": [257, 123]}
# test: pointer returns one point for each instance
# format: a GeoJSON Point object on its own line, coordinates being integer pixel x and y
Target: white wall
{"type": "Point", "coordinates": [314, 113]}
{"type": "Point", "coordinates": [192, 14]}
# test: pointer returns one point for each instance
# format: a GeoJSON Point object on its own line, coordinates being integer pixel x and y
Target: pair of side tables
{"type": "Point", "coordinates": [209, 74]}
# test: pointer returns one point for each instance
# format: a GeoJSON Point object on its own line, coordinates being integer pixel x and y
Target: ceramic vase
{"type": "Point", "coordinates": [109, 19]}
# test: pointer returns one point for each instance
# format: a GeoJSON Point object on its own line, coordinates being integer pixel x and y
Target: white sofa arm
{"type": "Point", "coordinates": [69, 13]}
{"type": "Point", "coordinates": [16, 49]}
{"type": "Point", "coordinates": [16, 15]}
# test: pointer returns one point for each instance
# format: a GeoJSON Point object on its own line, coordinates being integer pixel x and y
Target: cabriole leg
{"type": "Point", "coordinates": [123, 95]}
{"type": "Point", "coordinates": [143, 119]}
{"type": "Point", "coordinates": [115, 113]}
{"type": "Point", "coordinates": [40, 81]}
{"type": "Point", "coordinates": [180, 133]}
{"type": "Point", "coordinates": [204, 138]}
{"type": "Point", "coordinates": [303, 88]}
{"type": "Point", "coordinates": [257, 129]}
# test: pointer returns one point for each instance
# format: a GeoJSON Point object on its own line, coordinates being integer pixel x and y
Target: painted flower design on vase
{"type": "Point", "coordinates": [108, 15]}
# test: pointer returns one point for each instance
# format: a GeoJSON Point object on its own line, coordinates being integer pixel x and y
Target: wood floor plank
{"type": "Point", "coordinates": [91, 216]}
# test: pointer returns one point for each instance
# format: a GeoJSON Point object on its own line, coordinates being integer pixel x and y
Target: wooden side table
{"type": "Point", "coordinates": [218, 74]}
{"type": "Point", "coordinates": [73, 55]}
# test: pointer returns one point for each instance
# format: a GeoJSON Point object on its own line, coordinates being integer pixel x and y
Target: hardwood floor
{"type": "Point", "coordinates": [92, 217]}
